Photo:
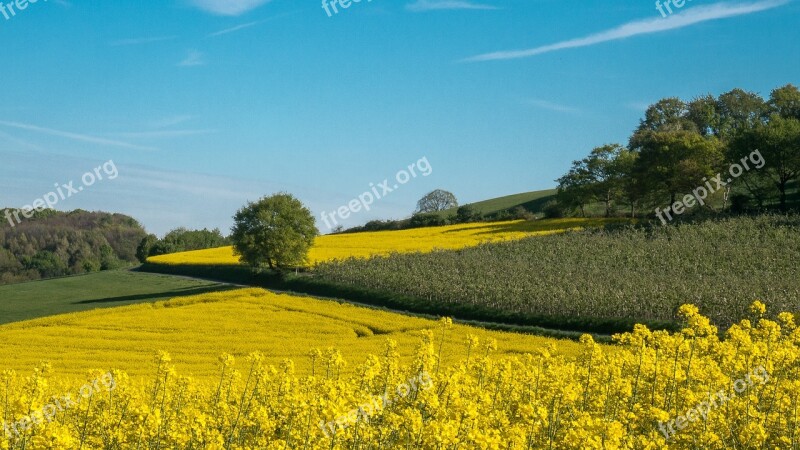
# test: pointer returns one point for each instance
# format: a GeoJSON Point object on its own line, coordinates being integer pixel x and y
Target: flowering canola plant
{"type": "Point", "coordinates": [603, 398]}
{"type": "Point", "coordinates": [196, 329]}
{"type": "Point", "coordinates": [382, 243]}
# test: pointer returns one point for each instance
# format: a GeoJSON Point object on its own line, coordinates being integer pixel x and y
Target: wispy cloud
{"type": "Point", "coordinates": [171, 121]}
{"type": "Point", "coordinates": [544, 104]}
{"type": "Point", "coordinates": [233, 29]}
{"type": "Point", "coordinates": [193, 59]}
{"type": "Point", "coordinates": [228, 7]}
{"type": "Point", "coordinates": [206, 186]}
{"type": "Point", "coordinates": [688, 17]}
{"type": "Point", "coordinates": [73, 136]}
{"type": "Point", "coordinates": [19, 142]}
{"type": "Point", "coordinates": [161, 134]}
{"type": "Point", "coordinates": [140, 41]}
{"type": "Point", "coordinates": [437, 5]}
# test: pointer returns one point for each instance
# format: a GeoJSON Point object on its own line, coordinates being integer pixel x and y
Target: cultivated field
{"type": "Point", "coordinates": [651, 390]}
{"type": "Point", "coordinates": [582, 278]}
{"type": "Point", "coordinates": [247, 368]}
{"type": "Point", "coordinates": [383, 243]}
{"type": "Point", "coordinates": [196, 329]}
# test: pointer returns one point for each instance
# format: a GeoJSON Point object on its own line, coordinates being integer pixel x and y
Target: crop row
{"type": "Point", "coordinates": [633, 274]}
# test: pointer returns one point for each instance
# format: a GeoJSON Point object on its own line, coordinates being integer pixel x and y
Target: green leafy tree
{"type": "Point", "coordinates": [630, 190]}
{"type": "Point", "coordinates": [786, 102]}
{"type": "Point", "coordinates": [605, 172]}
{"type": "Point", "coordinates": [596, 178]}
{"type": "Point", "coordinates": [778, 142]}
{"type": "Point", "coordinates": [674, 162]}
{"type": "Point", "coordinates": [737, 111]}
{"type": "Point", "coordinates": [669, 114]}
{"type": "Point", "coordinates": [276, 232]}
{"type": "Point", "coordinates": [575, 188]}
{"type": "Point", "coordinates": [468, 213]}
{"type": "Point", "coordinates": [702, 111]}
{"type": "Point", "coordinates": [145, 247]}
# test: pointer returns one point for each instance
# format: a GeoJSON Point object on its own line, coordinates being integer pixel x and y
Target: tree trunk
{"type": "Point", "coordinates": [725, 200]}
{"type": "Point", "coordinates": [782, 188]}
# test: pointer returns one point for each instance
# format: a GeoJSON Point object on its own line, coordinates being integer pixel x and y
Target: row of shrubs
{"type": "Point", "coordinates": [464, 214]}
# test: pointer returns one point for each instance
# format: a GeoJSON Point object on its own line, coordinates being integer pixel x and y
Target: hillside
{"type": "Point", "coordinates": [532, 201]}
{"type": "Point", "coordinates": [55, 244]}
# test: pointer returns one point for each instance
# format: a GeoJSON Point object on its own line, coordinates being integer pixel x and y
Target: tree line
{"type": "Point", "coordinates": [680, 146]}
{"type": "Point", "coordinates": [180, 240]}
{"type": "Point", "coordinates": [54, 243]}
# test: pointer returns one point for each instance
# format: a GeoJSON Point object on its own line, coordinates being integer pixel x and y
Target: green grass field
{"type": "Point", "coordinates": [99, 290]}
{"type": "Point", "coordinates": [532, 201]}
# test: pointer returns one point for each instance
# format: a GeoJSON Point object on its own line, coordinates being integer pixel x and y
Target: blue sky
{"type": "Point", "coordinates": [206, 104]}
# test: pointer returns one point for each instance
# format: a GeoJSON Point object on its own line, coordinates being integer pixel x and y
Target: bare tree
{"type": "Point", "coordinates": [438, 200]}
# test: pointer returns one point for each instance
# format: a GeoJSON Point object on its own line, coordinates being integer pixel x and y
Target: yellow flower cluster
{"type": "Point", "coordinates": [602, 399]}
{"type": "Point", "coordinates": [382, 243]}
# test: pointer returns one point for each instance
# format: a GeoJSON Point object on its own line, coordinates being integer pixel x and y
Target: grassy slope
{"type": "Point", "coordinates": [533, 201]}
{"type": "Point", "coordinates": [100, 290]}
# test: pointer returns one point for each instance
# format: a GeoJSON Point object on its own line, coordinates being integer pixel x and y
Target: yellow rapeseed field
{"type": "Point", "coordinates": [195, 330]}
{"type": "Point", "coordinates": [381, 243]}
{"type": "Point", "coordinates": [687, 390]}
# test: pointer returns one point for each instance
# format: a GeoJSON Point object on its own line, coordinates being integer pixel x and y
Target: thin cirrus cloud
{"type": "Point", "coordinates": [193, 59]}
{"type": "Point", "coordinates": [171, 121]}
{"type": "Point", "coordinates": [233, 29]}
{"type": "Point", "coordinates": [544, 104]}
{"type": "Point", "coordinates": [438, 5]}
{"type": "Point", "coordinates": [228, 7]}
{"type": "Point", "coordinates": [692, 16]}
{"type": "Point", "coordinates": [19, 142]}
{"type": "Point", "coordinates": [161, 134]}
{"type": "Point", "coordinates": [245, 26]}
{"type": "Point", "coordinates": [140, 41]}
{"type": "Point", "coordinates": [73, 136]}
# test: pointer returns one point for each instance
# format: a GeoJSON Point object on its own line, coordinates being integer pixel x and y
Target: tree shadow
{"type": "Point", "coordinates": [182, 292]}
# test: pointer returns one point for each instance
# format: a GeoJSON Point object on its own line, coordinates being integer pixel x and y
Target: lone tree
{"type": "Point", "coordinates": [275, 232]}
{"type": "Point", "coordinates": [437, 200]}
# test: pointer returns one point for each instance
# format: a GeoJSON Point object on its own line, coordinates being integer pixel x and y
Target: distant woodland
{"type": "Point", "coordinates": [54, 244]}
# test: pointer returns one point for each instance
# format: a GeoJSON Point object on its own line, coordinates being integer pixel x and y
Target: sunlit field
{"type": "Point", "coordinates": [382, 243]}
{"type": "Point", "coordinates": [196, 330]}
{"type": "Point", "coordinates": [686, 390]}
